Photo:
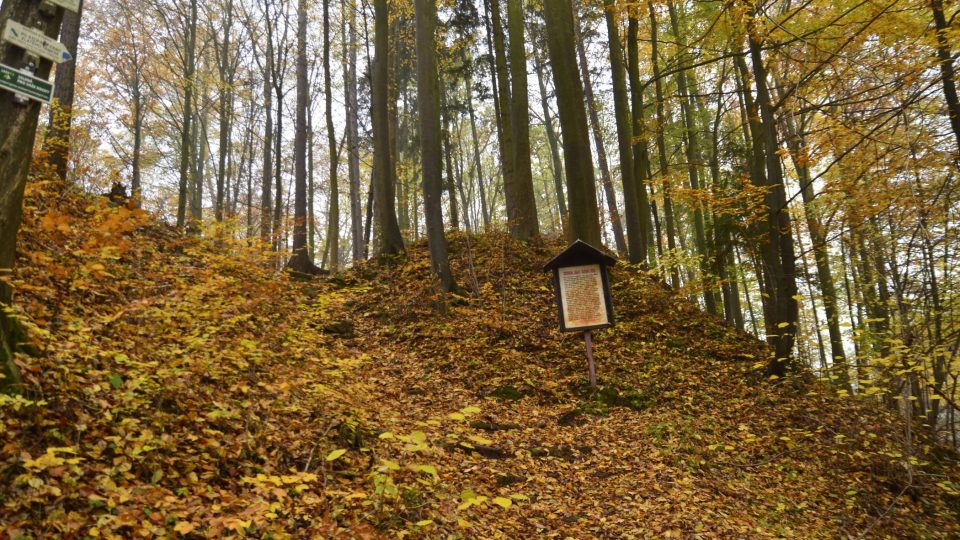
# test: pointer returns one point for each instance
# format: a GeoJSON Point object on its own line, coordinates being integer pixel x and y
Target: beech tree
{"type": "Point", "coordinates": [428, 97]}
{"type": "Point", "coordinates": [300, 261]}
{"type": "Point", "coordinates": [581, 190]}
{"type": "Point", "coordinates": [389, 239]}
{"type": "Point", "coordinates": [18, 128]}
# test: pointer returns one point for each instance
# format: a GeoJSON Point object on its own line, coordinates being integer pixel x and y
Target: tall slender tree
{"type": "Point", "coordinates": [521, 202]}
{"type": "Point", "coordinates": [390, 241]}
{"type": "Point", "coordinates": [61, 114]}
{"type": "Point", "coordinates": [333, 217]}
{"type": "Point", "coordinates": [186, 139]}
{"type": "Point", "coordinates": [300, 260]}
{"type": "Point", "coordinates": [606, 178]}
{"type": "Point", "coordinates": [581, 182]}
{"type": "Point", "coordinates": [428, 98]}
{"type": "Point", "coordinates": [636, 235]}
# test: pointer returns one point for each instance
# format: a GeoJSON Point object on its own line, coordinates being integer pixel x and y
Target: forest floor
{"type": "Point", "coordinates": [184, 388]}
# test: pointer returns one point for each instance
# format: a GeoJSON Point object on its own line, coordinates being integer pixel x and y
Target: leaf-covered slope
{"type": "Point", "coordinates": [185, 389]}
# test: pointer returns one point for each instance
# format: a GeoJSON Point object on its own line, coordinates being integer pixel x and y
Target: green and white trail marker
{"type": "Point", "coordinates": [25, 84]}
{"type": "Point", "coordinates": [36, 42]}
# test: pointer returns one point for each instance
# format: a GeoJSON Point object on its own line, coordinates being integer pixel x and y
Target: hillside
{"type": "Point", "coordinates": [183, 388]}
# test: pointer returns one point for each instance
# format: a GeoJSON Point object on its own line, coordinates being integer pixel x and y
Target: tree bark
{"type": "Point", "coordinates": [186, 143]}
{"type": "Point", "coordinates": [57, 139]}
{"type": "Point", "coordinates": [641, 155]}
{"type": "Point", "coordinates": [662, 146]}
{"type": "Point", "coordinates": [504, 117]}
{"type": "Point", "coordinates": [692, 146]}
{"type": "Point", "coordinates": [226, 72]}
{"type": "Point", "coordinates": [266, 192]}
{"type": "Point", "coordinates": [947, 72]}
{"type": "Point", "coordinates": [605, 177]}
{"type": "Point", "coordinates": [390, 239]}
{"type": "Point", "coordinates": [428, 98]}
{"type": "Point", "coordinates": [636, 235]}
{"type": "Point", "coordinates": [353, 135]}
{"type": "Point", "coordinates": [581, 181]}
{"type": "Point", "coordinates": [477, 163]}
{"type": "Point", "coordinates": [18, 129]}
{"type": "Point", "coordinates": [554, 143]}
{"type": "Point", "coordinates": [778, 250]}
{"type": "Point", "coordinates": [521, 202]}
{"type": "Point", "coordinates": [300, 260]}
{"type": "Point", "coordinates": [333, 217]}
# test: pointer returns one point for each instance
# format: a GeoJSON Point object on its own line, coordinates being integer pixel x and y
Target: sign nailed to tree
{"type": "Point", "coordinates": [25, 84]}
{"type": "Point", "coordinates": [35, 41]}
{"type": "Point", "coordinates": [583, 288]}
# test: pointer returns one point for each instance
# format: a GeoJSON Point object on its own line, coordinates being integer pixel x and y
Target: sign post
{"type": "Point", "coordinates": [583, 293]}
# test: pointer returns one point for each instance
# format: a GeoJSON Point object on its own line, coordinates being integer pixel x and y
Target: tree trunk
{"type": "Point", "coordinates": [495, 86]}
{"type": "Point", "coordinates": [662, 146]}
{"type": "Point", "coordinates": [390, 239]}
{"type": "Point", "coordinates": [137, 157]}
{"type": "Point", "coordinates": [300, 260]}
{"type": "Point", "coordinates": [450, 183]}
{"type": "Point", "coordinates": [605, 176]}
{"type": "Point", "coordinates": [333, 217]}
{"type": "Point", "coordinates": [266, 193]}
{"type": "Point", "coordinates": [778, 250]}
{"type": "Point", "coordinates": [554, 143]}
{"type": "Point", "coordinates": [581, 182]}
{"type": "Point", "coordinates": [818, 238]}
{"type": "Point", "coordinates": [186, 144]}
{"type": "Point", "coordinates": [353, 136]}
{"type": "Point", "coordinates": [428, 99]}
{"type": "Point", "coordinates": [636, 235]}
{"type": "Point", "coordinates": [199, 168]}
{"type": "Point", "coordinates": [311, 190]}
{"type": "Point", "coordinates": [518, 187]}
{"type": "Point", "coordinates": [641, 156]}
{"type": "Point", "coordinates": [18, 129]}
{"type": "Point", "coordinates": [57, 139]}
{"type": "Point", "coordinates": [226, 72]}
{"type": "Point", "coordinates": [693, 159]}
{"type": "Point", "coordinates": [504, 117]}
{"type": "Point", "coordinates": [945, 58]}
{"type": "Point", "coordinates": [477, 164]}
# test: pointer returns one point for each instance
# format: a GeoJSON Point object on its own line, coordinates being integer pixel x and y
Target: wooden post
{"type": "Point", "coordinates": [588, 338]}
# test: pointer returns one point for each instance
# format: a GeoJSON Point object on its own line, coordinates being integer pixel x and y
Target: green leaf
{"type": "Point", "coordinates": [333, 456]}
{"type": "Point", "coordinates": [503, 502]}
{"type": "Point", "coordinates": [427, 469]}
{"type": "Point", "coordinates": [116, 381]}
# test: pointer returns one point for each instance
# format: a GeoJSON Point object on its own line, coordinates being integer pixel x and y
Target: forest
{"type": "Point", "coordinates": [274, 268]}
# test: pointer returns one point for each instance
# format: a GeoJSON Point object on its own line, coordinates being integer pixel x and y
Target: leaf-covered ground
{"type": "Point", "coordinates": [183, 388]}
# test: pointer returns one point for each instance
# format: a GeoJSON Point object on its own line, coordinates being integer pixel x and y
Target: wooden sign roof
{"type": "Point", "coordinates": [579, 252]}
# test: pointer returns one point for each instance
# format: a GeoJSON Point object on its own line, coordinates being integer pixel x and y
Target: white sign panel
{"type": "Point", "coordinates": [72, 5]}
{"type": "Point", "coordinates": [35, 41]}
{"type": "Point", "coordinates": [582, 296]}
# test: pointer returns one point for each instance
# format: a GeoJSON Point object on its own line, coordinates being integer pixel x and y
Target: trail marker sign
{"type": "Point", "coordinates": [582, 286]}
{"type": "Point", "coordinates": [25, 84]}
{"type": "Point", "coordinates": [35, 41]}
